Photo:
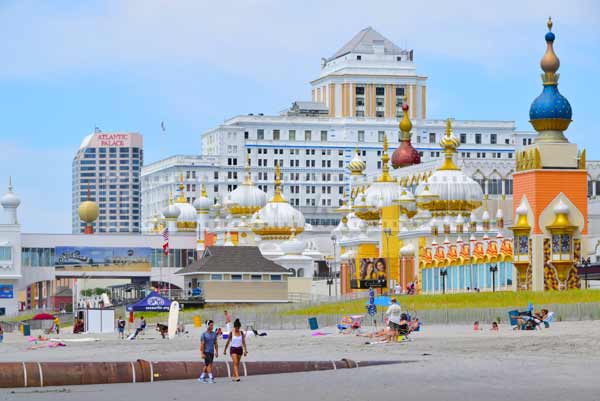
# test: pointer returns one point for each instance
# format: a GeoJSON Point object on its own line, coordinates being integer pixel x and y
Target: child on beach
{"type": "Point", "coordinates": [209, 348]}
{"type": "Point", "coordinates": [121, 327]}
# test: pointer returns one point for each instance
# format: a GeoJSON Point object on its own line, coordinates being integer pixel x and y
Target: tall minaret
{"type": "Point", "coordinates": [551, 184]}
{"type": "Point", "coordinates": [202, 205]}
{"type": "Point", "coordinates": [10, 202]}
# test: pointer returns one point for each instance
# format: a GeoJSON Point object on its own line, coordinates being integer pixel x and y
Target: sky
{"type": "Point", "coordinates": [67, 67]}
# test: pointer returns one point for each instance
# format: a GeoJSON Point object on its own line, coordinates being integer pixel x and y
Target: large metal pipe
{"type": "Point", "coordinates": [42, 374]}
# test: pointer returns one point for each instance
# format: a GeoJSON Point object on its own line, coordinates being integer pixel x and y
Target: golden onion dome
{"type": "Point", "coordinates": [88, 211]}
{"type": "Point", "coordinates": [357, 166]}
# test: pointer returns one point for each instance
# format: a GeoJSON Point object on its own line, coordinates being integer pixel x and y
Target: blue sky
{"type": "Point", "coordinates": [128, 65]}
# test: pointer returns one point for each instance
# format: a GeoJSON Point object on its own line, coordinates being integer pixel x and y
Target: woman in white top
{"type": "Point", "coordinates": [237, 338]}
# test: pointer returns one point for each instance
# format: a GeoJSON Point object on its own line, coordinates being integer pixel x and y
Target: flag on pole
{"type": "Point", "coordinates": [166, 240]}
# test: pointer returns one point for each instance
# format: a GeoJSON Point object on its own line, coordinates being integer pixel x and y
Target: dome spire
{"type": "Point", "coordinates": [278, 198]}
{"type": "Point", "coordinates": [450, 144]}
{"type": "Point", "coordinates": [550, 113]}
{"type": "Point", "coordinates": [405, 154]}
{"type": "Point", "coordinates": [357, 165]}
{"type": "Point", "coordinates": [385, 174]}
{"type": "Point", "coordinates": [248, 178]}
{"type": "Point", "coordinates": [181, 198]}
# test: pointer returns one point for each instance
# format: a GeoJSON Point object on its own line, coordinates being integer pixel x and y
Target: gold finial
{"type": "Point", "coordinates": [450, 143]}
{"type": "Point", "coordinates": [278, 198]}
{"type": "Point", "coordinates": [385, 175]}
{"type": "Point", "coordinates": [550, 62]}
{"type": "Point", "coordinates": [405, 123]}
{"type": "Point", "coordinates": [203, 192]}
{"type": "Point", "coordinates": [181, 198]}
{"type": "Point", "coordinates": [248, 179]}
{"type": "Point", "coordinates": [549, 24]}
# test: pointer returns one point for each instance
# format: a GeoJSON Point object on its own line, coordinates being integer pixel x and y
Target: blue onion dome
{"type": "Point", "coordinates": [550, 111]}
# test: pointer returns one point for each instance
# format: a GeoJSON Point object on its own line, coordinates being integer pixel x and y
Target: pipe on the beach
{"type": "Point", "coordinates": [42, 374]}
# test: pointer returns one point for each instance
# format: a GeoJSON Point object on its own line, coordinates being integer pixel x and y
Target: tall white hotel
{"type": "Point", "coordinates": [356, 101]}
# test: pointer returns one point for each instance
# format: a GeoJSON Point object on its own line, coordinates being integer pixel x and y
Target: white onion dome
{"type": "Point", "coordinates": [485, 216]}
{"type": "Point", "coordinates": [278, 218]}
{"type": "Point", "coordinates": [460, 219]}
{"type": "Point", "coordinates": [382, 193]}
{"type": "Point", "coordinates": [246, 198]}
{"type": "Point", "coordinates": [357, 166]}
{"type": "Point", "coordinates": [499, 213]}
{"type": "Point", "coordinates": [202, 203]}
{"type": "Point", "coordinates": [10, 200]}
{"type": "Point", "coordinates": [407, 250]}
{"type": "Point", "coordinates": [456, 192]}
{"type": "Point", "coordinates": [293, 246]}
{"type": "Point", "coordinates": [171, 212]}
{"type": "Point", "coordinates": [186, 221]}
{"type": "Point", "coordinates": [561, 208]}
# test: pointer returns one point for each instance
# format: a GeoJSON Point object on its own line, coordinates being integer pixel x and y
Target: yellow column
{"type": "Point", "coordinates": [332, 100]}
{"type": "Point", "coordinates": [388, 101]}
{"type": "Point", "coordinates": [390, 245]}
{"type": "Point", "coordinates": [345, 105]}
{"type": "Point", "coordinates": [373, 103]}
{"type": "Point", "coordinates": [423, 102]}
{"type": "Point", "coordinates": [413, 96]}
{"type": "Point", "coordinates": [318, 95]}
{"type": "Point", "coordinates": [353, 100]}
{"type": "Point", "coordinates": [313, 95]}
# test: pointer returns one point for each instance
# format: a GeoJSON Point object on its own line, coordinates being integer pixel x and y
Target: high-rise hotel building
{"type": "Point", "coordinates": [107, 169]}
{"type": "Point", "coordinates": [356, 101]}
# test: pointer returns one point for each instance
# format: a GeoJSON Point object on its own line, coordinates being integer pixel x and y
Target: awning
{"type": "Point", "coordinates": [152, 302]}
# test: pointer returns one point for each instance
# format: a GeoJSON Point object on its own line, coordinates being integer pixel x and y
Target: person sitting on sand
{"type": "Point", "coordinates": [385, 332]}
{"type": "Point", "coordinates": [163, 329]}
{"type": "Point", "coordinates": [414, 325]}
{"type": "Point", "coordinates": [476, 326]}
{"type": "Point", "coordinates": [495, 326]}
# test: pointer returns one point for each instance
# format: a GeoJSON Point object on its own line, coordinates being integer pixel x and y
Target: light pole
{"type": "Point", "coordinates": [585, 263]}
{"type": "Point", "coordinates": [443, 273]}
{"type": "Point", "coordinates": [334, 239]}
{"type": "Point", "coordinates": [388, 232]}
{"type": "Point", "coordinates": [493, 270]}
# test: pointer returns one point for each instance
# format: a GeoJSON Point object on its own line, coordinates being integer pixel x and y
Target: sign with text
{"type": "Point", "coordinates": [6, 291]}
{"type": "Point", "coordinates": [68, 258]}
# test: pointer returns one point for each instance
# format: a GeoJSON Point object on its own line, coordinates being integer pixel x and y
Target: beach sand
{"type": "Point", "coordinates": [449, 362]}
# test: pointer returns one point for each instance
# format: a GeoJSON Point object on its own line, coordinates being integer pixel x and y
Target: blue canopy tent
{"type": "Point", "coordinates": [153, 302]}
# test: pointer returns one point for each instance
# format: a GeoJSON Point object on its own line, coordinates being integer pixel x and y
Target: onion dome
{"type": "Point", "coordinates": [246, 198]}
{"type": "Point", "coordinates": [522, 225]}
{"type": "Point", "coordinates": [405, 154]}
{"type": "Point", "coordinates": [202, 203]}
{"type": "Point", "coordinates": [277, 218]}
{"type": "Point", "coordinates": [382, 193]}
{"type": "Point", "coordinates": [10, 200]}
{"type": "Point", "coordinates": [187, 216]}
{"type": "Point", "coordinates": [561, 218]}
{"type": "Point", "coordinates": [407, 250]}
{"type": "Point", "coordinates": [455, 191]}
{"type": "Point", "coordinates": [550, 111]}
{"type": "Point", "coordinates": [171, 212]}
{"type": "Point", "coordinates": [357, 166]}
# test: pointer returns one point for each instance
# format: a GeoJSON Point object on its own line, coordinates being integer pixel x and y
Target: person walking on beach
{"type": "Point", "coordinates": [121, 327]}
{"type": "Point", "coordinates": [393, 313]}
{"type": "Point", "coordinates": [140, 327]}
{"type": "Point", "coordinates": [209, 348]}
{"type": "Point", "coordinates": [237, 338]}
{"type": "Point", "coordinates": [1, 334]}
{"type": "Point", "coordinates": [57, 324]}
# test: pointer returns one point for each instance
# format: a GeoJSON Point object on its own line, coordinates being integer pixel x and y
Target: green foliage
{"type": "Point", "coordinates": [87, 292]}
{"type": "Point", "coordinates": [460, 301]}
{"type": "Point", "coordinates": [100, 291]}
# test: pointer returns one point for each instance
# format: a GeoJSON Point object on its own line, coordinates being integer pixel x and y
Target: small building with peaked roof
{"type": "Point", "coordinates": [240, 274]}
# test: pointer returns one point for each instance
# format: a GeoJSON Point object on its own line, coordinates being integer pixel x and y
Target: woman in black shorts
{"type": "Point", "coordinates": [237, 339]}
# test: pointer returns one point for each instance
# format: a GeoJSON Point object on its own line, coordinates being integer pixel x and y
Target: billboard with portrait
{"type": "Point", "coordinates": [68, 258]}
{"type": "Point", "coordinates": [372, 273]}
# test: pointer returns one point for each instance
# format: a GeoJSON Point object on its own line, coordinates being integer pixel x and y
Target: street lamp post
{"type": "Point", "coordinates": [585, 263]}
{"type": "Point", "coordinates": [388, 232]}
{"type": "Point", "coordinates": [334, 239]}
{"type": "Point", "coordinates": [443, 273]}
{"type": "Point", "coordinates": [493, 270]}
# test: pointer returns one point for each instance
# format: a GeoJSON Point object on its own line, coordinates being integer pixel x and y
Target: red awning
{"type": "Point", "coordinates": [43, 316]}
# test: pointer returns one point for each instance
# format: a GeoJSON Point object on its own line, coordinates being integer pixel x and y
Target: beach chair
{"type": "Point", "coordinates": [344, 324]}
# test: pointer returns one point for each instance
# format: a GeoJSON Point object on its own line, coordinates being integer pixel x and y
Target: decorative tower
{"type": "Point", "coordinates": [88, 213]}
{"type": "Point", "coordinates": [405, 155]}
{"type": "Point", "coordinates": [551, 173]}
{"type": "Point", "coordinates": [10, 202]}
{"type": "Point", "coordinates": [202, 205]}
{"type": "Point", "coordinates": [171, 214]}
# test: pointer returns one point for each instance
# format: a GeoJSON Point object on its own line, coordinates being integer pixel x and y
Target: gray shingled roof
{"type": "Point", "coordinates": [233, 259]}
{"type": "Point", "coordinates": [308, 105]}
{"type": "Point", "coordinates": [363, 42]}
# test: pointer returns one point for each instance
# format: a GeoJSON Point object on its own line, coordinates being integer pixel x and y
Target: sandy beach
{"type": "Point", "coordinates": [447, 362]}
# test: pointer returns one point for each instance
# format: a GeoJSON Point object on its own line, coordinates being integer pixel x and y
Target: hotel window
{"type": "Point", "coordinates": [508, 187]}
{"type": "Point", "coordinates": [507, 141]}
{"type": "Point", "coordinates": [275, 134]}
{"type": "Point", "coordinates": [494, 186]}
{"type": "Point", "coordinates": [360, 101]}
{"type": "Point", "coordinates": [478, 138]}
{"type": "Point", "coordinates": [463, 138]}
{"type": "Point", "coordinates": [292, 135]}
{"type": "Point", "coordinates": [432, 137]}
{"type": "Point", "coordinates": [341, 164]}
{"type": "Point", "coordinates": [510, 155]}
{"type": "Point", "coordinates": [260, 134]}
{"type": "Point", "coordinates": [399, 101]}
{"type": "Point", "coordinates": [493, 139]}
{"type": "Point", "coordinates": [246, 134]}
{"type": "Point", "coordinates": [524, 141]}
{"type": "Point", "coordinates": [5, 253]}
{"type": "Point", "coordinates": [323, 136]}
{"type": "Point", "coordinates": [380, 135]}
{"type": "Point", "coordinates": [361, 136]}
{"type": "Point", "coordinates": [216, 189]}
{"type": "Point", "coordinates": [307, 135]}
{"type": "Point", "coordinates": [379, 102]}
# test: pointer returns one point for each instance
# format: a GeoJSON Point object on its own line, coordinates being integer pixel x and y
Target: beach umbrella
{"type": "Point", "coordinates": [43, 316]}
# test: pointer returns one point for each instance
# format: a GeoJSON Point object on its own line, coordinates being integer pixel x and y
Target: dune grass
{"type": "Point", "coordinates": [459, 301]}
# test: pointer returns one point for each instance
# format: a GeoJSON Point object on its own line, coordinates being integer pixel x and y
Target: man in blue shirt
{"type": "Point", "coordinates": [209, 348]}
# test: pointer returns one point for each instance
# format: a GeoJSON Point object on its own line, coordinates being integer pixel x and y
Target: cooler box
{"type": "Point", "coordinates": [312, 323]}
